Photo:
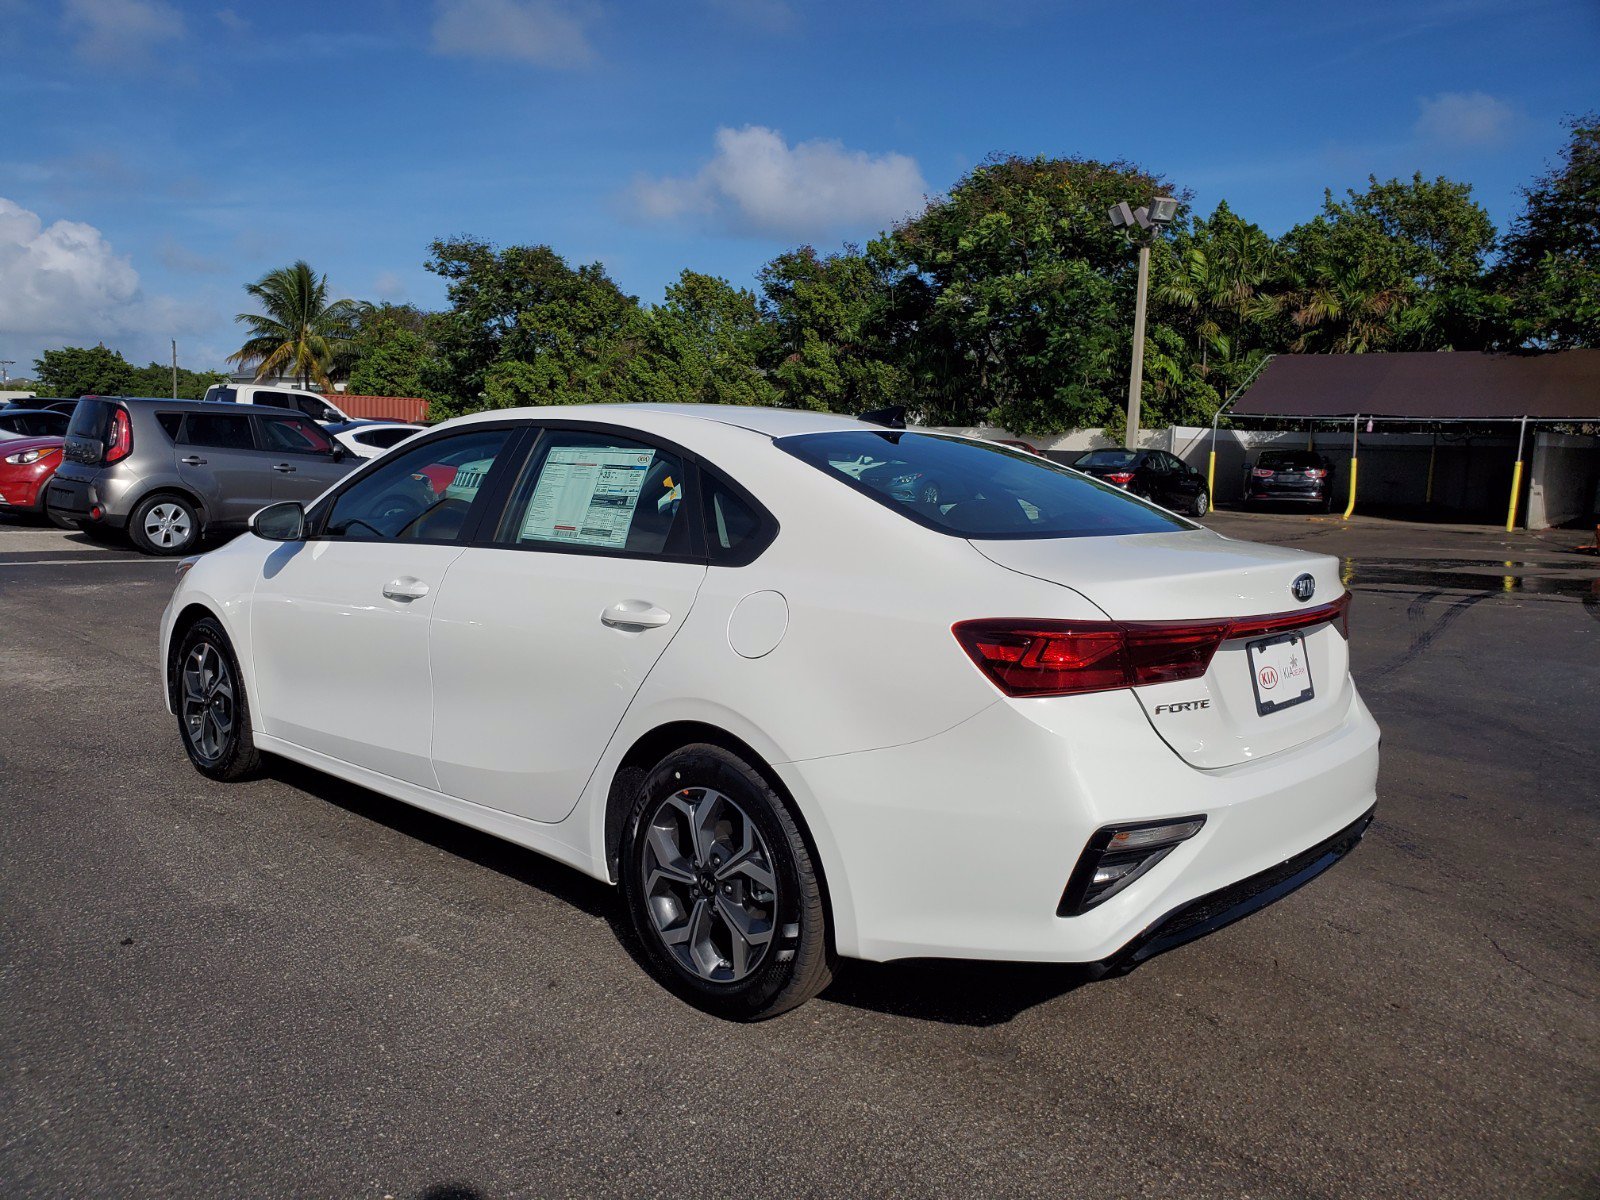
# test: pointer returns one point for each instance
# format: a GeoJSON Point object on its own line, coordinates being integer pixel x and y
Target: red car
{"type": "Point", "coordinates": [26, 465]}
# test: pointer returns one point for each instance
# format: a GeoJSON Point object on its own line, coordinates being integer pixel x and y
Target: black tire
{"type": "Point", "coordinates": [165, 524]}
{"type": "Point", "coordinates": [234, 755]}
{"type": "Point", "coordinates": [1201, 504]}
{"type": "Point", "coordinates": [795, 962]}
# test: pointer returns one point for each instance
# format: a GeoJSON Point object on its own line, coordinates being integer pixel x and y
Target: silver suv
{"type": "Point", "coordinates": [169, 471]}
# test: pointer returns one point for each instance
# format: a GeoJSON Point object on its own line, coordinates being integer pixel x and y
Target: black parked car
{"type": "Point", "coordinates": [1303, 476]}
{"type": "Point", "coordinates": [1153, 474]}
{"type": "Point", "coordinates": [32, 422]}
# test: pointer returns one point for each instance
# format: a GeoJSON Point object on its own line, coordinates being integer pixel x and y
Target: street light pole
{"type": "Point", "coordinates": [1136, 374]}
{"type": "Point", "coordinates": [1141, 226]}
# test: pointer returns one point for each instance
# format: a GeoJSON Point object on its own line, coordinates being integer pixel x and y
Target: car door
{"type": "Point", "coordinates": [545, 629]}
{"type": "Point", "coordinates": [217, 459]}
{"type": "Point", "coordinates": [305, 464]}
{"type": "Point", "coordinates": [339, 622]}
{"type": "Point", "coordinates": [1183, 482]}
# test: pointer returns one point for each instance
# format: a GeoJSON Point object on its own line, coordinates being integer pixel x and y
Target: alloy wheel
{"type": "Point", "coordinates": [709, 884]}
{"type": "Point", "coordinates": [168, 525]}
{"type": "Point", "coordinates": [208, 701]}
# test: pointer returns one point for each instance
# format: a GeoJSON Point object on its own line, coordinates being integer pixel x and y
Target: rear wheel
{"type": "Point", "coordinates": [213, 711]}
{"type": "Point", "coordinates": [165, 524]}
{"type": "Point", "coordinates": [1201, 504]}
{"type": "Point", "coordinates": [722, 890]}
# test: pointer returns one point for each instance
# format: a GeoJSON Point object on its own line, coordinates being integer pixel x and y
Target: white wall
{"type": "Point", "coordinates": [4, 396]}
{"type": "Point", "coordinates": [1564, 478]}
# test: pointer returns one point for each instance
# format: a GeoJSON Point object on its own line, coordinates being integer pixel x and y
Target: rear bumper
{"type": "Point", "coordinates": [75, 499]}
{"type": "Point", "coordinates": [1226, 905]}
{"type": "Point", "coordinates": [961, 845]}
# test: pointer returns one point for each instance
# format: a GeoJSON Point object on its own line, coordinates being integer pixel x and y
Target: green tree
{"type": "Point", "coordinates": [74, 371]}
{"type": "Point", "coordinates": [831, 319]}
{"type": "Point", "coordinates": [390, 353]}
{"type": "Point", "coordinates": [299, 331]}
{"type": "Point", "coordinates": [1399, 266]}
{"type": "Point", "coordinates": [156, 380]}
{"type": "Point", "coordinates": [1029, 294]}
{"type": "Point", "coordinates": [1551, 261]}
{"type": "Point", "coordinates": [526, 328]}
{"type": "Point", "coordinates": [707, 343]}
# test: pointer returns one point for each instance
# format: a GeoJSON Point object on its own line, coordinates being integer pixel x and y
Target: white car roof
{"type": "Point", "coordinates": [770, 422]}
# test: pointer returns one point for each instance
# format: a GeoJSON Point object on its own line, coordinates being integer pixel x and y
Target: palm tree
{"type": "Point", "coordinates": [299, 331]}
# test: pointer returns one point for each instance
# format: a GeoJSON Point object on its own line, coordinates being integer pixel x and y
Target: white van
{"type": "Point", "coordinates": [314, 404]}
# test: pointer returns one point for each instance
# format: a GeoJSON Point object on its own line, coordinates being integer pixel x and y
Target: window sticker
{"type": "Point", "coordinates": [586, 496]}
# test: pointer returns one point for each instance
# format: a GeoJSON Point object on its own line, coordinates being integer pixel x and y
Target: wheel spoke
{"type": "Point", "coordinates": [705, 837]}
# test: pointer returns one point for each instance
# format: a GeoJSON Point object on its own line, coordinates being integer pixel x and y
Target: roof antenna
{"type": "Point", "coordinates": [893, 417]}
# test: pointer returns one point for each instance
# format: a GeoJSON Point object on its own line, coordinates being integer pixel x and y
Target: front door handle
{"type": "Point", "coordinates": [285, 468]}
{"type": "Point", "coordinates": [405, 588]}
{"type": "Point", "coordinates": [194, 460]}
{"type": "Point", "coordinates": [635, 614]}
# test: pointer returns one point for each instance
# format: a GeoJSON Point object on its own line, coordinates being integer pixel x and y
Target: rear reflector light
{"type": "Point", "coordinates": [1120, 478]}
{"type": "Point", "coordinates": [1117, 855]}
{"type": "Point", "coordinates": [1062, 658]}
{"type": "Point", "coordinates": [1262, 473]}
{"type": "Point", "coordinates": [120, 444]}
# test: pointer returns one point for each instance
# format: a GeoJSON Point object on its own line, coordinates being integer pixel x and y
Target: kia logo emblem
{"type": "Point", "coordinates": [1304, 587]}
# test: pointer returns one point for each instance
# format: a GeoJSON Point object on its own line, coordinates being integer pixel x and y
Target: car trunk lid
{"type": "Point", "coordinates": [1236, 711]}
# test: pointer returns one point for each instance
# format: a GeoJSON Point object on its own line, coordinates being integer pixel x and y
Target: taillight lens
{"type": "Point", "coordinates": [120, 444]}
{"type": "Point", "coordinates": [1263, 473]}
{"type": "Point", "coordinates": [1315, 472]}
{"type": "Point", "coordinates": [1120, 478]}
{"type": "Point", "coordinates": [1062, 658]}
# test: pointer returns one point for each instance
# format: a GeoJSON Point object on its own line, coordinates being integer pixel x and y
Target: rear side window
{"type": "Point", "coordinates": [89, 419]}
{"type": "Point", "coordinates": [222, 431]}
{"type": "Point", "coordinates": [594, 492]}
{"type": "Point", "coordinates": [293, 435]}
{"type": "Point", "coordinates": [976, 489]}
{"type": "Point", "coordinates": [736, 531]}
{"type": "Point", "coordinates": [384, 438]}
{"type": "Point", "coordinates": [171, 424]}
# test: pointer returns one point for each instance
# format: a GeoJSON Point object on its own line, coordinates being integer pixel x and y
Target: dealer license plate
{"type": "Point", "coordinates": [1280, 672]}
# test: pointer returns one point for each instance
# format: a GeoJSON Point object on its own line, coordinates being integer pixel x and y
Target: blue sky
{"type": "Point", "coordinates": [155, 155]}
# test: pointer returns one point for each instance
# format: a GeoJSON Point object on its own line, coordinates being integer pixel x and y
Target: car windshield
{"type": "Point", "coordinates": [1102, 459]}
{"type": "Point", "coordinates": [976, 489]}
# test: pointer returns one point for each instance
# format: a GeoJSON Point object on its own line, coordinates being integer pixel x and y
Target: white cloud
{"type": "Point", "coordinates": [66, 285]}
{"type": "Point", "coordinates": [120, 31]}
{"type": "Point", "coordinates": [1464, 119]}
{"type": "Point", "coordinates": [757, 183]}
{"type": "Point", "coordinates": [537, 31]}
{"type": "Point", "coordinates": [768, 16]}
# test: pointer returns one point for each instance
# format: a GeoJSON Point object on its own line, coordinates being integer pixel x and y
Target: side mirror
{"type": "Point", "coordinates": [282, 522]}
{"type": "Point", "coordinates": [337, 452]}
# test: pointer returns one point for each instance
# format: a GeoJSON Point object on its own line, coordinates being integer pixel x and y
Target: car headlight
{"type": "Point", "coordinates": [23, 458]}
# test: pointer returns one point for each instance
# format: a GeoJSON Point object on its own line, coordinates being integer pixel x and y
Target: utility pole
{"type": "Point", "coordinates": [5, 376]}
{"type": "Point", "coordinates": [174, 368]}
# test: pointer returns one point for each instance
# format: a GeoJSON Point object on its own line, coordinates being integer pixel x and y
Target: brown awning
{"type": "Point", "coordinates": [1564, 385]}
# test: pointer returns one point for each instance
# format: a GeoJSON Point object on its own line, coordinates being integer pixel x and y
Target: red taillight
{"type": "Point", "coordinates": [1262, 473]}
{"type": "Point", "coordinates": [120, 443]}
{"type": "Point", "coordinates": [1060, 658]}
{"type": "Point", "coordinates": [1315, 472]}
{"type": "Point", "coordinates": [1120, 478]}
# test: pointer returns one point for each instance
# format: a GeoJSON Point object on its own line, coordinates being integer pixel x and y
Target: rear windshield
{"type": "Point", "coordinates": [1289, 458]}
{"type": "Point", "coordinates": [89, 419]}
{"type": "Point", "coordinates": [1106, 458]}
{"type": "Point", "coordinates": [976, 489]}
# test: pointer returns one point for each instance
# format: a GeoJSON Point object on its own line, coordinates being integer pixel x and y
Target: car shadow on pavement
{"type": "Point", "coordinates": [485, 850]}
{"type": "Point", "coordinates": [952, 992]}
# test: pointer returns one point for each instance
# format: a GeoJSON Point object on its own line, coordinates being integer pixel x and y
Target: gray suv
{"type": "Point", "coordinates": [169, 471]}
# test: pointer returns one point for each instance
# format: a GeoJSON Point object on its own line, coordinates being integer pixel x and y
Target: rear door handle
{"type": "Point", "coordinates": [285, 468]}
{"type": "Point", "coordinates": [194, 460]}
{"type": "Point", "coordinates": [405, 588]}
{"type": "Point", "coordinates": [635, 614]}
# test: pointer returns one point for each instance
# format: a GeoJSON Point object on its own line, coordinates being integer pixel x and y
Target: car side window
{"type": "Point", "coordinates": [219, 430]}
{"type": "Point", "coordinates": [736, 531]}
{"type": "Point", "coordinates": [293, 435]}
{"type": "Point", "coordinates": [171, 424]}
{"type": "Point", "coordinates": [424, 494]}
{"type": "Point", "coordinates": [599, 493]}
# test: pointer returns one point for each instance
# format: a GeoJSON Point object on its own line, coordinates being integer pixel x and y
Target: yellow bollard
{"type": "Point", "coordinates": [1516, 489]}
{"type": "Point", "coordinates": [1351, 507]}
{"type": "Point", "coordinates": [1211, 477]}
{"type": "Point", "coordinates": [1432, 450]}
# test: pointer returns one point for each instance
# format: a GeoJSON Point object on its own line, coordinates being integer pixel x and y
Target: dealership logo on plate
{"type": "Point", "coordinates": [1304, 587]}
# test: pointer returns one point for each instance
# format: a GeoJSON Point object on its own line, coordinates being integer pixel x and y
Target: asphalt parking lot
{"type": "Point", "coordinates": [294, 986]}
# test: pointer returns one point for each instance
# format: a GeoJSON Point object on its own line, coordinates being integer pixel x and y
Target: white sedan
{"type": "Point", "coordinates": [369, 439]}
{"type": "Point", "coordinates": [801, 685]}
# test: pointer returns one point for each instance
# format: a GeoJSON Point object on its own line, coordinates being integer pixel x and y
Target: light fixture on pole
{"type": "Point", "coordinates": [5, 375]}
{"type": "Point", "coordinates": [1141, 226]}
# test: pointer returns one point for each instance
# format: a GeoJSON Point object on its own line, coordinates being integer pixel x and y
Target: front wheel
{"type": "Point", "coordinates": [213, 711]}
{"type": "Point", "coordinates": [722, 890]}
{"type": "Point", "coordinates": [1201, 504]}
